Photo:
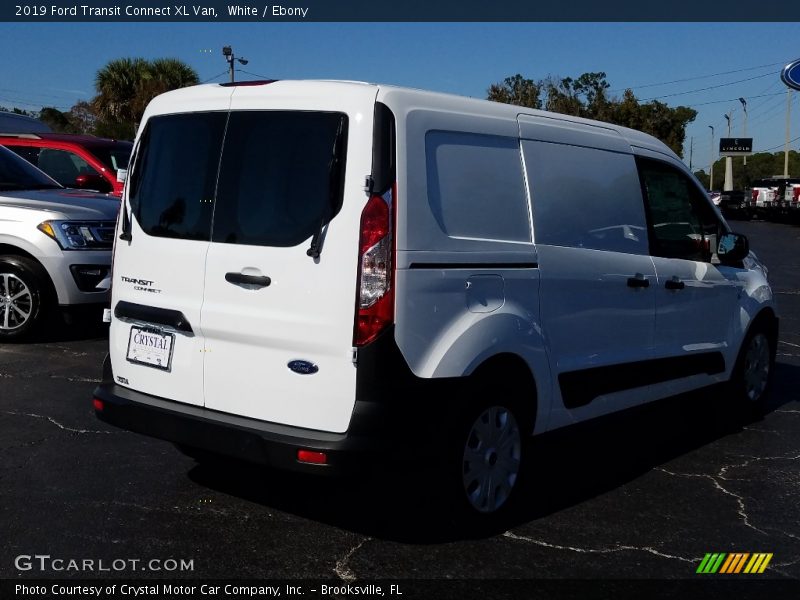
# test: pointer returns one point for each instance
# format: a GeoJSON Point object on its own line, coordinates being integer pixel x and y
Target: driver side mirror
{"type": "Point", "coordinates": [732, 247]}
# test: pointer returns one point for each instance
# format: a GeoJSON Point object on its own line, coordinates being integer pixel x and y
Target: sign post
{"type": "Point", "coordinates": [791, 77]}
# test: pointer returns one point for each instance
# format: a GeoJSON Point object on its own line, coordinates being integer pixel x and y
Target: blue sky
{"type": "Point", "coordinates": [55, 64]}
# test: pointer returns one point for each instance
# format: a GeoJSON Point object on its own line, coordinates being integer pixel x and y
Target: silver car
{"type": "Point", "coordinates": [55, 246]}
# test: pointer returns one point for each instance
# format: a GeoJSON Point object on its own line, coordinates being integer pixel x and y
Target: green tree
{"type": "Point", "coordinates": [83, 117]}
{"type": "Point", "coordinates": [587, 96]}
{"type": "Point", "coordinates": [57, 121]}
{"type": "Point", "coordinates": [516, 90]}
{"type": "Point", "coordinates": [759, 166]}
{"type": "Point", "coordinates": [125, 86]}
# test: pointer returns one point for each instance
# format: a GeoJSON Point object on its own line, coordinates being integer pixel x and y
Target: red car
{"type": "Point", "coordinates": [75, 161]}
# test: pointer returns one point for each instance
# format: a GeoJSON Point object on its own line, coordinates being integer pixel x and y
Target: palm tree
{"type": "Point", "coordinates": [126, 85]}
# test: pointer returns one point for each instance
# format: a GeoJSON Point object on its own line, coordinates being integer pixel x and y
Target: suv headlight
{"type": "Point", "coordinates": [80, 235]}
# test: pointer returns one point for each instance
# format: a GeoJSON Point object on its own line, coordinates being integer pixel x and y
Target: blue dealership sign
{"type": "Point", "coordinates": [791, 75]}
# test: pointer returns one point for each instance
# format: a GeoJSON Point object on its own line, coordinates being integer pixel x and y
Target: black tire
{"type": "Point", "coordinates": [24, 297]}
{"type": "Point", "coordinates": [487, 444]}
{"type": "Point", "coordinates": [752, 374]}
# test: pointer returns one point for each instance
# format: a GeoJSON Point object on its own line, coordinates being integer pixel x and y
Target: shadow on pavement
{"type": "Point", "coordinates": [566, 468]}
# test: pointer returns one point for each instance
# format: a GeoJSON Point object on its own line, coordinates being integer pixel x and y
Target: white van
{"type": "Point", "coordinates": [314, 274]}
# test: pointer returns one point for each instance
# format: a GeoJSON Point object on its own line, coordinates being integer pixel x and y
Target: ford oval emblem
{"type": "Point", "coordinates": [791, 75]}
{"type": "Point", "coordinates": [303, 367]}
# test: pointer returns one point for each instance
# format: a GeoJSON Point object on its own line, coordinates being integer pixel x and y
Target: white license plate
{"type": "Point", "coordinates": [151, 347]}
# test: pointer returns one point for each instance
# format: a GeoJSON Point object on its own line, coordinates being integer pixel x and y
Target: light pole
{"type": "Point", "coordinates": [227, 52]}
{"type": "Point", "coordinates": [744, 107]}
{"type": "Point", "coordinates": [711, 171]}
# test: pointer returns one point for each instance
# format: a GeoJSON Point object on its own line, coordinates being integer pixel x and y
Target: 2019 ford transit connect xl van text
{"type": "Point", "coordinates": [309, 274]}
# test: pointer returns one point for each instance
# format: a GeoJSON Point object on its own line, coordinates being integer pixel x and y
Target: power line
{"type": "Point", "coordinates": [254, 74]}
{"type": "Point", "coordinates": [647, 85]}
{"type": "Point", "coordinates": [712, 87]}
{"type": "Point", "coordinates": [225, 72]}
{"type": "Point", "coordinates": [779, 145]}
{"type": "Point", "coordinates": [729, 100]}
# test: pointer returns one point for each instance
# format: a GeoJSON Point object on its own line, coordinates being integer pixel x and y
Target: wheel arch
{"type": "Point", "coordinates": [507, 370]}
{"type": "Point", "coordinates": [12, 251]}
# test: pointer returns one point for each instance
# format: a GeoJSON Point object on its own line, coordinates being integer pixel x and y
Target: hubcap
{"type": "Point", "coordinates": [756, 367]}
{"type": "Point", "coordinates": [16, 302]}
{"type": "Point", "coordinates": [491, 459]}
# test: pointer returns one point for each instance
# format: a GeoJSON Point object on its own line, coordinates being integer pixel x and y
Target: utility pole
{"type": "Point", "coordinates": [744, 107]}
{"type": "Point", "coordinates": [227, 52]}
{"type": "Point", "coordinates": [691, 151]}
{"type": "Point", "coordinates": [711, 173]}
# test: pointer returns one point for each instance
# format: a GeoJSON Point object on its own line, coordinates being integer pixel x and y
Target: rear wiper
{"type": "Point", "coordinates": [334, 190]}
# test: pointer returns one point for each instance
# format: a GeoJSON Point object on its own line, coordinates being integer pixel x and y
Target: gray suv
{"type": "Point", "coordinates": [55, 246]}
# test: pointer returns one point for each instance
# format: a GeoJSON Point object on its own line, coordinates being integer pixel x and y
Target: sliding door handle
{"type": "Point", "coordinates": [638, 281]}
{"type": "Point", "coordinates": [674, 284]}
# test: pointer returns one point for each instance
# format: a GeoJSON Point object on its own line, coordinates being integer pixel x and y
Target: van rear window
{"type": "Point", "coordinates": [271, 178]}
{"type": "Point", "coordinates": [280, 178]}
{"type": "Point", "coordinates": [173, 183]}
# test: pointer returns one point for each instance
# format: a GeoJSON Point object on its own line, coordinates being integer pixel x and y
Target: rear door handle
{"type": "Point", "coordinates": [242, 279]}
{"type": "Point", "coordinates": [674, 284]}
{"type": "Point", "coordinates": [638, 281]}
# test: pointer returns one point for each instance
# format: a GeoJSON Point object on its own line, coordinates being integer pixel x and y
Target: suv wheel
{"type": "Point", "coordinates": [22, 290]}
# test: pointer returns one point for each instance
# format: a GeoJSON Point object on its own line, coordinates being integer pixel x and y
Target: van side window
{"type": "Point", "coordinates": [172, 187]}
{"type": "Point", "coordinates": [585, 198]}
{"type": "Point", "coordinates": [281, 176]}
{"type": "Point", "coordinates": [683, 224]}
{"type": "Point", "coordinates": [475, 186]}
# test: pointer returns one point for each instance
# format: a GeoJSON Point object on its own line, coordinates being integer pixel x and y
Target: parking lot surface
{"type": "Point", "coordinates": [645, 495]}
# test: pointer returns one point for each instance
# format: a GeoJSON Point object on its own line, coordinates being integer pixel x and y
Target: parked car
{"type": "Point", "coordinates": [734, 204]}
{"type": "Point", "coordinates": [14, 123]}
{"type": "Point", "coordinates": [55, 246]}
{"type": "Point", "coordinates": [358, 272]}
{"type": "Point", "coordinates": [76, 161]}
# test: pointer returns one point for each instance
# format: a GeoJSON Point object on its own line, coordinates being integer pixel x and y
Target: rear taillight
{"type": "Point", "coordinates": [796, 194]}
{"type": "Point", "coordinates": [755, 195]}
{"type": "Point", "coordinates": [375, 301]}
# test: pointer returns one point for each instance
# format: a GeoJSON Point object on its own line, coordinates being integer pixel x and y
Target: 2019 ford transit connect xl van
{"type": "Point", "coordinates": [311, 273]}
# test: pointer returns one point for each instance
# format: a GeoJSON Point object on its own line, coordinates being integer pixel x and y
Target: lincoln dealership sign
{"type": "Point", "coordinates": [735, 146]}
{"type": "Point", "coordinates": [791, 75]}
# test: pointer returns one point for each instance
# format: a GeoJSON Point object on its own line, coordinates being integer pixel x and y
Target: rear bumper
{"type": "Point", "coordinates": [385, 426]}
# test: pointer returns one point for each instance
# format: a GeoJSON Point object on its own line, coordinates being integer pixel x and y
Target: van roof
{"type": "Point", "coordinates": [405, 97]}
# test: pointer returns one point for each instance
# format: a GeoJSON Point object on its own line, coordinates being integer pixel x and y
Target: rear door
{"type": "Point", "coordinates": [156, 342]}
{"type": "Point", "coordinates": [277, 320]}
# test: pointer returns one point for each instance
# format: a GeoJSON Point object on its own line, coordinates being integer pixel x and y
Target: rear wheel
{"type": "Point", "coordinates": [491, 459]}
{"type": "Point", "coordinates": [22, 297]}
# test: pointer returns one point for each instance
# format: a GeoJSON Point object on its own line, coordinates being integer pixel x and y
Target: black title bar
{"type": "Point", "coordinates": [72, 11]}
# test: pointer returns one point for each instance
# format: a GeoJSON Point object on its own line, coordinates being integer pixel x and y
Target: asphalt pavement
{"type": "Point", "coordinates": [643, 496]}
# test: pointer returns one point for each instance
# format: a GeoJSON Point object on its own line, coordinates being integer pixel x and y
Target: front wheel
{"type": "Point", "coordinates": [753, 373]}
{"type": "Point", "coordinates": [22, 297]}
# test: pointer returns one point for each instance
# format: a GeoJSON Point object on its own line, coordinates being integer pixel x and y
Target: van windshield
{"type": "Point", "coordinates": [267, 178]}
